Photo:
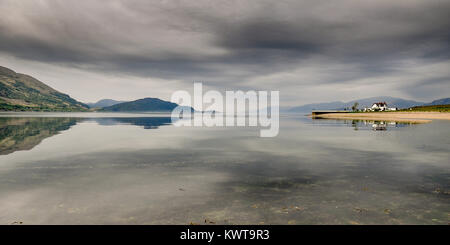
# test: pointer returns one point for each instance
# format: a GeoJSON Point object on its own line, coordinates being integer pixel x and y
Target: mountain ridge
{"type": "Point", "coordinates": [22, 92]}
{"type": "Point", "coordinates": [443, 101]}
{"type": "Point", "coordinates": [104, 103]}
{"type": "Point", "coordinates": [145, 104]}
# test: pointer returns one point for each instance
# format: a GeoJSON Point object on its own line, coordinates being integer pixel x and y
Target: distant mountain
{"type": "Point", "coordinates": [318, 106]}
{"type": "Point", "coordinates": [20, 92]}
{"type": "Point", "coordinates": [146, 104]}
{"type": "Point", "coordinates": [366, 102]}
{"type": "Point", "coordinates": [104, 103]}
{"type": "Point", "coordinates": [444, 101]}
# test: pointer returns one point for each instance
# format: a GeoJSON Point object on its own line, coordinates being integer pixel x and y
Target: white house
{"type": "Point", "coordinates": [379, 106]}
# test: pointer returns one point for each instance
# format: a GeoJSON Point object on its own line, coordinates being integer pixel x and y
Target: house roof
{"type": "Point", "coordinates": [380, 104]}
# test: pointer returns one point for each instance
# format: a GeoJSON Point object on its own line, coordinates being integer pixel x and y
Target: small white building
{"type": "Point", "coordinates": [379, 106]}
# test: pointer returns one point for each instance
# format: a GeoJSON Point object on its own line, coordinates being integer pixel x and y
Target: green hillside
{"type": "Point", "coordinates": [439, 108]}
{"type": "Point", "coordinates": [20, 92]}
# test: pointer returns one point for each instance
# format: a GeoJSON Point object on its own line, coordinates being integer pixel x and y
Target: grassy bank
{"type": "Point", "coordinates": [8, 107]}
{"type": "Point", "coordinates": [432, 108]}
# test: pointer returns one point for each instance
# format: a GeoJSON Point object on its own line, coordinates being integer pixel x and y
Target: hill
{"type": "Point", "coordinates": [104, 103]}
{"type": "Point", "coordinates": [146, 104]}
{"type": "Point", "coordinates": [444, 101]}
{"type": "Point", "coordinates": [366, 102]}
{"type": "Point", "coordinates": [20, 92]}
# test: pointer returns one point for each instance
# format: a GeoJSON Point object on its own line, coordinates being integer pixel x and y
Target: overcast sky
{"type": "Point", "coordinates": [311, 51]}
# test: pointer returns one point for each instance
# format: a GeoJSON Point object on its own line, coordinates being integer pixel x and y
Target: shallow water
{"type": "Point", "coordinates": [88, 168]}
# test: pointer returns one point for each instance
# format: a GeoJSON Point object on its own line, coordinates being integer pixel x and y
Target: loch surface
{"type": "Point", "coordinates": [75, 168]}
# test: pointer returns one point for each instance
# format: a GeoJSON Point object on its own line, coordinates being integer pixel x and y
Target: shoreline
{"type": "Point", "coordinates": [411, 117]}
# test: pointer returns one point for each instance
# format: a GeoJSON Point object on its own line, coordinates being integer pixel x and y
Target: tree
{"type": "Point", "coordinates": [355, 106]}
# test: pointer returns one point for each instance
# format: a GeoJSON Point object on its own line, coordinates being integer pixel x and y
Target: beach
{"type": "Point", "coordinates": [414, 117]}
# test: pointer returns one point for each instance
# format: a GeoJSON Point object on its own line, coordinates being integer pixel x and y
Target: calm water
{"type": "Point", "coordinates": [140, 169]}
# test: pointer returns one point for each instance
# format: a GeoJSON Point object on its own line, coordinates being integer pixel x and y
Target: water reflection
{"type": "Point", "coordinates": [24, 133]}
{"type": "Point", "coordinates": [358, 124]}
{"type": "Point", "coordinates": [18, 134]}
{"type": "Point", "coordinates": [314, 172]}
{"type": "Point", "coordinates": [146, 122]}
{"type": "Point", "coordinates": [378, 125]}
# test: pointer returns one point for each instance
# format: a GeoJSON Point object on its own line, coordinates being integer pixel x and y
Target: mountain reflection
{"type": "Point", "coordinates": [24, 133]}
{"type": "Point", "coordinates": [18, 134]}
{"type": "Point", "coordinates": [146, 122]}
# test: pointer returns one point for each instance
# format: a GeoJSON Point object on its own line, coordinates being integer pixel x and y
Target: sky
{"type": "Point", "coordinates": [311, 51]}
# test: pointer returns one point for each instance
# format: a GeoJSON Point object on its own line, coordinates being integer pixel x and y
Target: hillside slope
{"type": "Point", "coordinates": [20, 92]}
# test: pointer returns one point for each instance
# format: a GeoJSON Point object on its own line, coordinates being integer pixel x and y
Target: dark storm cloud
{"type": "Point", "coordinates": [231, 43]}
{"type": "Point", "coordinates": [382, 33]}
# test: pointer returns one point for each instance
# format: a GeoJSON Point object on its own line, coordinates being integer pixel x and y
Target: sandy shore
{"type": "Point", "coordinates": [413, 117]}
